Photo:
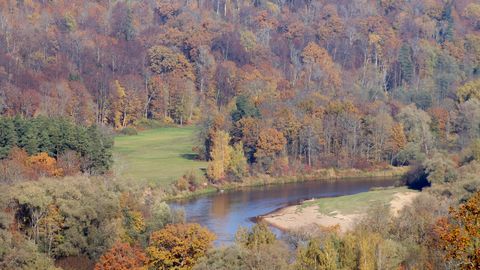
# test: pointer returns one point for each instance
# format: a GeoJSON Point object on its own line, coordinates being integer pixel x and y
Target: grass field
{"type": "Point", "coordinates": [157, 156]}
{"type": "Point", "coordinates": [355, 204]}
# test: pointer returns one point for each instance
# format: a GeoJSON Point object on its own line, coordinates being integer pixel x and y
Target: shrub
{"type": "Point", "coordinates": [129, 131]}
{"type": "Point", "coordinates": [182, 183]}
{"type": "Point", "coordinates": [145, 123]}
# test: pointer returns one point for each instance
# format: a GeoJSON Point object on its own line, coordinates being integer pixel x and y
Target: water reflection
{"type": "Point", "coordinates": [224, 213]}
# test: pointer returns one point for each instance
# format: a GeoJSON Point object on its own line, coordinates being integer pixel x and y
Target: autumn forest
{"type": "Point", "coordinates": [274, 89]}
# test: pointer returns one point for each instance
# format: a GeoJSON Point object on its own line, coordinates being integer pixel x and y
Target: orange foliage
{"type": "Point", "coordinates": [398, 140]}
{"type": "Point", "coordinates": [460, 234]}
{"type": "Point", "coordinates": [122, 256]}
{"type": "Point", "coordinates": [315, 55]}
{"type": "Point", "coordinates": [441, 118]}
{"type": "Point", "coordinates": [44, 165]}
{"type": "Point", "coordinates": [270, 143]}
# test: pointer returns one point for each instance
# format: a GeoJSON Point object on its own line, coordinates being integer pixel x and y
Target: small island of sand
{"type": "Point", "coordinates": [342, 211]}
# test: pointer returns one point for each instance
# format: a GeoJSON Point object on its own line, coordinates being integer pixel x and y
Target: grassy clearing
{"type": "Point", "coordinates": [157, 156]}
{"type": "Point", "coordinates": [355, 204]}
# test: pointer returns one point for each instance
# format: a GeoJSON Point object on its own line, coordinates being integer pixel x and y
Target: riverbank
{"type": "Point", "coordinates": [341, 211]}
{"type": "Point", "coordinates": [319, 175]}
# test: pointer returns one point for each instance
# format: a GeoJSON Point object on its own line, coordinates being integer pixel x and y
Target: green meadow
{"type": "Point", "coordinates": [355, 204]}
{"type": "Point", "coordinates": [157, 156]}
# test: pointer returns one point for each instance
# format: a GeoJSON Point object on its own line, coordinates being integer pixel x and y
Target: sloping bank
{"type": "Point", "coordinates": [319, 175]}
{"type": "Point", "coordinates": [343, 211]}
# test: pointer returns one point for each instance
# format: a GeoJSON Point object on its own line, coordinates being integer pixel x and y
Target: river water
{"type": "Point", "coordinates": [223, 213]}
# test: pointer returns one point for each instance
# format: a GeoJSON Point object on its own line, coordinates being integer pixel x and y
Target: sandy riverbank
{"type": "Point", "coordinates": [295, 217]}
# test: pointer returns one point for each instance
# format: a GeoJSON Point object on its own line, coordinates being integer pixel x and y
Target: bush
{"type": "Point", "coordinates": [145, 123]}
{"type": "Point", "coordinates": [129, 131]}
{"type": "Point", "coordinates": [188, 181]}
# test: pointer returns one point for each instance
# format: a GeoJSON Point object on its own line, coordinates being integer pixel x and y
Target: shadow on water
{"type": "Point", "coordinates": [224, 213]}
{"type": "Point", "coordinates": [417, 178]}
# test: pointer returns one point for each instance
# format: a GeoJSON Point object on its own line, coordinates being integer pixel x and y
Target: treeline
{"type": "Point", "coordinates": [51, 147]}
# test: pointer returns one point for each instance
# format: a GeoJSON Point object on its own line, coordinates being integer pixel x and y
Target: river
{"type": "Point", "coordinates": [223, 213]}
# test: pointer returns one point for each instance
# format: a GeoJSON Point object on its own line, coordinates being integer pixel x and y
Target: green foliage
{"type": "Point", "coordinates": [127, 31]}
{"type": "Point", "coordinates": [17, 252]}
{"type": "Point", "coordinates": [259, 236]}
{"type": "Point", "coordinates": [406, 65]}
{"type": "Point", "coordinates": [409, 155]}
{"type": "Point", "coordinates": [440, 169]}
{"type": "Point", "coordinates": [417, 127]}
{"type": "Point", "coordinates": [57, 136]}
{"type": "Point", "coordinates": [7, 137]}
{"type": "Point", "coordinates": [317, 256]}
{"type": "Point", "coordinates": [423, 99]}
{"type": "Point", "coordinates": [129, 131]}
{"type": "Point", "coordinates": [476, 149]}
{"type": "Point", "coordinates": [69, 22]}
{"type": "Point", "coordinates": [244, 108]}
{"type": "Point", "coordinates": [238, 167]}
{"type": "Point", "coordinates": [231, 257]}
{"type": "Point", "coordinates": [162, 215]}
{"type": "Point", "coordinates": [72, 216]}
{"type": "Point", "coordinates": [145, 123]}
{"type": "Point", "coordinates": [470, 90]}
{"type": "Point", "coordinates": [22, 254]}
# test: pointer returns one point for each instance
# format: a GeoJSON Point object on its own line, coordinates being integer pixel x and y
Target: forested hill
{"type": "Point", "coordinates": [350, 82]}
{"type": "Point", "coordinates": [116, 61]}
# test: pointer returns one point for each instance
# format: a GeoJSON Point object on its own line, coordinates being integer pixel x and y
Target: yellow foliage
{"type": "Point", "coordinates": [469, 90]}
{"type": "Point", "coordinates": [137, 221]}
{"type": "Point", "coordinates": [248, 40]}
{"type": "Point", "coordinates": [44, 165]}
{"type": "Point", "coordinates": [178, 246]}
{"type": "Point", "coordinates": [220, 154]}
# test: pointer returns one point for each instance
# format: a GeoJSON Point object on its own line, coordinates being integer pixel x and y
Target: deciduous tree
{"type": "Point", "coordinates": [178, 246]}
{"type": "Point", "coordinates": [459, 234]}
{"type": "Point", "coordinates": [122, 256]}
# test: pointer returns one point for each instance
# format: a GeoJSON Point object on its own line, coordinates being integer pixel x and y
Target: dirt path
{"type": "Point", "coordinates": [294, 217]}
{"type": "Point", "coordinates": [400, 200]}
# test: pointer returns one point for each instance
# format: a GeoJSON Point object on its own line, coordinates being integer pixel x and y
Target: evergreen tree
{"type": "Point", "coordinates": [245, 108]}
{"type": "Point", "coordinates": [406, 63]}
{"type": "Point", "coordinates": [127, 29]}
{"type": "Point", "coordinates": [7, 136]}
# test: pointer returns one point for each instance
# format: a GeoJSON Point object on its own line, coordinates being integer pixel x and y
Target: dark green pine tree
{"type": "Point", "coordinates": [7, 136]}
{"type": "Point", "coordinates": [406, 63]}
{"type": "Point", "coordinates": [65, 138]}
{"type": "Point", "coordinates": [127, 31]}
{"type": "Point", "coordinates": [99, 151]}
{"type": "Point", "coordinates": [245, 108]}
{"type": "Point", "coordinates": [28, 137]}
{"type": "Point", "coordinates": [46, 136]}
{"type": "Point", "coordinates": [446, 32]}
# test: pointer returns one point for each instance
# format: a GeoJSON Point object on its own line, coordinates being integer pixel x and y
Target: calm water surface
{"type": "Point", "coordinates": [224, 213]}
